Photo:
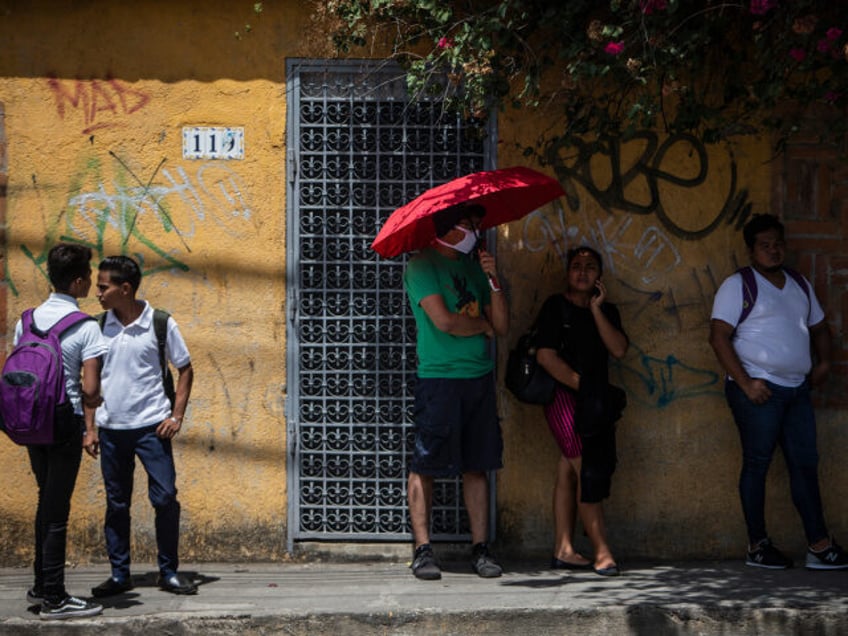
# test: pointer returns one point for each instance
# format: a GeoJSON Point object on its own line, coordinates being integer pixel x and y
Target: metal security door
{"type": "Point", "coordinates": [357, 150]}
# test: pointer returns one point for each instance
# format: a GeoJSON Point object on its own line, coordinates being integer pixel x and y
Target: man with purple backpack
{"type": "Point", "coordinates": [765, 321]}
{"type": "Point", "coordinates": [56, 464]}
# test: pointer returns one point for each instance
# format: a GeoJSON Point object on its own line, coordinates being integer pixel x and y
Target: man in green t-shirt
{"type": "Point", "coordinates": [458, 307]}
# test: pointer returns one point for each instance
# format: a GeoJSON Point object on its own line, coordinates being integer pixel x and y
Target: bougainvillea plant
{"type": "Point", "coordinates": [712, 68]}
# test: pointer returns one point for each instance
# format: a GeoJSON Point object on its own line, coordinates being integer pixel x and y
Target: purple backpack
{"type": "Point", "coordinates": [34, 408]}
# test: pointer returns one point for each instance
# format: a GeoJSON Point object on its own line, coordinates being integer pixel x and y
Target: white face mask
{"type": "Point", "coordinates": [466, 244]}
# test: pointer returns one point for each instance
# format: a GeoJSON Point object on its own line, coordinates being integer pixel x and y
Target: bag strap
{"type": "Point", "coordinates": [798, 278]}
{"type": "Point", "coordinates": [749, 290]}
{"type": "Point", "coordinates": [60, 326]}
{"type": "Point", "coordinates": [160, 328]}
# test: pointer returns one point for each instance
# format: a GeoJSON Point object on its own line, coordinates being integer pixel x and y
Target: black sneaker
{"type": "Point", "coordinates": [424, 564]}
{"type": "Point", "coordinates": [483, 563]}
{"type": "Point", "coordinates": [70, 607]}
{"type": "Point", "coordinates": [832, 557]}
{"type": "Point", "coordinates": [765, 555]}
{"type": "Point", "coordinates": [35, 595]}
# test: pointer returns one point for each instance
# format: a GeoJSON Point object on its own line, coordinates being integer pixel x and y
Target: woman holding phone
{"type": "Point", "coordinates": [577, 332]}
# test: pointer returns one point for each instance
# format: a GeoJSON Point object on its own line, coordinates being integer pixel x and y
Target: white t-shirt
{"type": "Point", "coordinates": [133, 395]}
{"type": "Point", "coordinates": [81, 342]}
{"type": "Point", "coordinates": [773, 342]}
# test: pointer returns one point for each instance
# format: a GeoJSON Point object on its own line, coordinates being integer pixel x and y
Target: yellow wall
{"type": "Point", "coordinates": [675, 491]}
{"type": "Point", "coordinates": [96, 95]}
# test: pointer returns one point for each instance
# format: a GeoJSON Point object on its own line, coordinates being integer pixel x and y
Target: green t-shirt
{"type": "Point", "coordinates": [463, 285]}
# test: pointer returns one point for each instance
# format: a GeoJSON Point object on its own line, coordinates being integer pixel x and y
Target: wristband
{"type": "Point", "coordinates": [494, 285]}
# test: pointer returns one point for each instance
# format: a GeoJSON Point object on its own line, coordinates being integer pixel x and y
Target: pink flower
{"type": "Point", "coordinates": [833, 34]}
{"type": "Point", "coordinates": [797, 54]}
{"type": "Point", "coordinates": [445, 43]}
{"type": "Point", "coordinates": [614, 48]}
{"type": "Point", "coordinates": [823, 45]}
{"type": "Point", "coordinates": [649, 6]}
{"type": "Point", "coordinates": [831, 96]}
{"type": "Point", "coordinates": [761, 7]}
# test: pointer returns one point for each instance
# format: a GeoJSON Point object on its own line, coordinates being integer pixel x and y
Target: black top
{"type": "Point", "coordinates": [571, 331]}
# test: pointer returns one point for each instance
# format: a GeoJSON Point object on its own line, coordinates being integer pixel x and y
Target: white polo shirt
{"type": "Point", "coordinates": [81, 342]}
{"type": "Point", "coordinates": [131, 379]}
{"type": "Point", "coordinates": [773, 342]}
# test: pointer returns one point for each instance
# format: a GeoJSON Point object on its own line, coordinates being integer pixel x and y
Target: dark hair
{"type": "Point", "coordinates": [122, 269]}
{"type": "Point", "coordinates": [760, 223]}
{"type": "Point", "coordinates": [66, 262]}
{"type": "Point", "coordinates": [583, 249]}
{"type": "Point", "coordinates": [445, 220]}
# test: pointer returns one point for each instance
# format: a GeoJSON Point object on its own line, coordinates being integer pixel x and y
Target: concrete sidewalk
{"type": "Point", "coordinates": [384, 598]}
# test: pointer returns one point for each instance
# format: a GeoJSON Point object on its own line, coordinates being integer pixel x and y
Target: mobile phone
{"type": "Point", "coordinates": [596, 291]}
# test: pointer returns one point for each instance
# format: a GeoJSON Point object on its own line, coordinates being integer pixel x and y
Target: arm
{"type": "Point", "coordinates": [721, 340]}
{"type": "Point", "coordinates": [614, 340]}
{"type": "Point", "coordinates": [498, 310]}
{"type": "Point", "coordinates": [172, 425]}
{"type": "Point", "coordinates": [821, 339]}
{"type": "Point", "coordinates": [90, 401]}
{"type": "Point", "coordinates": [453, 323]}
{"type": "Point", "coordinates": [558, 368]}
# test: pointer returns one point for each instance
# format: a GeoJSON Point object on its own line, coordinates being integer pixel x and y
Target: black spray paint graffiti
{"type": "Point", "coordinates": [573, 159]}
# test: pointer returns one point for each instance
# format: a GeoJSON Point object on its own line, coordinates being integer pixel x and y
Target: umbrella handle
{"type": "Point", "coordinates": [494, 285]}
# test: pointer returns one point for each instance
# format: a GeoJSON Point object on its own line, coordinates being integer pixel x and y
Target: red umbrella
{"type": "Point", "coordinates": [507, 194]}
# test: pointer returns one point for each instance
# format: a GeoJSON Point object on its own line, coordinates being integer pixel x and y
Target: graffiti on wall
{"type": "Point", "coordinates": [99, 103]}
{"type": "Point", "coordinates": [151, 215]}
{"type": "Point", "coordinates": [639, 233]}
{"type": "Point", "coordinates": [659, 381]}
{"type": "Point", "coordinates": [576, 162]}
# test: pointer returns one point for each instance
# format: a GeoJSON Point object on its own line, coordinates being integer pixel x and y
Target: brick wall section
{"type": "Point", "coordinates": [810, 193]}
{"type": "Point", "coordinates": [3, 180]}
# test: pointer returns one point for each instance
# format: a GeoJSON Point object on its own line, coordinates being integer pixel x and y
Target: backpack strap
{"type": "Point", "coordinates": [60, 326]}
{"type": "Point", "coordinates": [160, 329]}
{"type": "Point", "coordinates": [798, 278]}
{"type": "Point", "coordinates": [749, 291]}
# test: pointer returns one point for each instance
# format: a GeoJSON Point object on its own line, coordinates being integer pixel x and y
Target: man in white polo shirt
{"type": "Point", "coordinates": [138, 419]}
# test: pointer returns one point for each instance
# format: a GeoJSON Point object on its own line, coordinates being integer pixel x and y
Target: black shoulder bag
{"type": "Point", "coordinates": [525, 378]}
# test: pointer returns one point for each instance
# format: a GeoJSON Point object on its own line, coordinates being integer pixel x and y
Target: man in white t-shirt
{"type": "Point", "coordinates": [137, 419]}
{"type": "Point", "coordinates": [766, 354]}
{"type": "Point", "coordinates": [56, 465]}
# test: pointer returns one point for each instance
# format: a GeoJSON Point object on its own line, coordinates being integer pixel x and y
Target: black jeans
{"type": "Point", "coordinates": [55, 467]}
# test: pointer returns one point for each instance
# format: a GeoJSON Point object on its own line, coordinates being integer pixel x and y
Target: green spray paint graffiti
{"type": "Point", "coordinates": [151, 216]}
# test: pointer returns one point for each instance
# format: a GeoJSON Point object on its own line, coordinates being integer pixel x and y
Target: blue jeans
{"type": "Point", "coordinates": [118, 450]}
{"type": "Point", "coordinates": [786, 419]}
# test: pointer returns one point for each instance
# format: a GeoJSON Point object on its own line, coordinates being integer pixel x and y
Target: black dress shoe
{"type": "Point", "coordinates": [608, 571]}
{"type": "Point", "coordinates": [177, 584]}
{"type": "Point", "coordinates": [111, 587]}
